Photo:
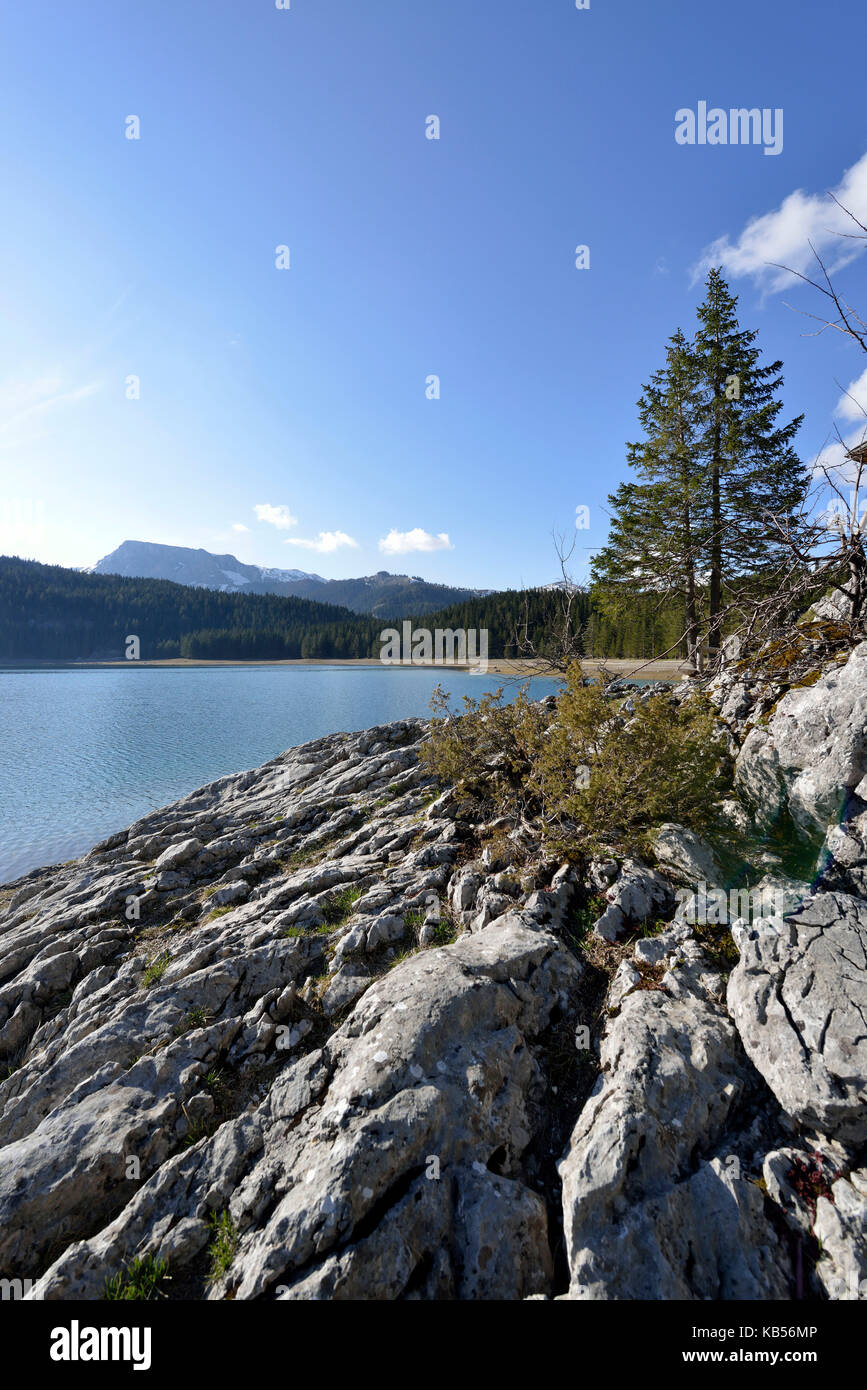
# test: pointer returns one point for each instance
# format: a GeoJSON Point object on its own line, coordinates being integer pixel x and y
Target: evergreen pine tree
{"type": "Point", "coordinates": [660, 523]}
{"type": "Point", "coordinates": [748, 459]}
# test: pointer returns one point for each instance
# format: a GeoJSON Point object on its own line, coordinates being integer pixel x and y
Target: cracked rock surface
{"type": "Point", "coordinates": [799, 999]}
{"type": "Point", "coordinates": [321, 1031]}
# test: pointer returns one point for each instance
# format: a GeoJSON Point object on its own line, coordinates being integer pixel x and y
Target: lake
{"type": "Point", "coordinates": [85, 751]}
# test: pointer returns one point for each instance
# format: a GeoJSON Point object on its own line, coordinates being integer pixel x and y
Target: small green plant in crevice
{"type": "Point", "coordinates": [654, 926]}
{"type": "Point", "coordinates": [198, 1129]}
{"type": "Point", "coordinates": [413, 920]}
{"type": "Point", "coordinates": [155, 969]}
{"type": "Point", "coordinates": [719, 945]}
{"type": "Point", "coordinates": [582, 917]}
{"type": "Point", "coordinates": [338, 907]}
{"type": "Point", "coordinates": [400, 956]}
{"type": "Point", "coordinates": [141, 1280]}
{"type": "Point", "coordinates": [215, 1083]}
{"type": "Point", "coordinates": [306, 858]}
{"type": "Point", "coordinates": [218, 912]}
{"type": "Point", "coordinates": [197, 1017]}
{"type": "Point", "coordinates": [223, 1244]}
{"type": "Point", "coordinates": [445, 933]}
{"type": "Point", "coordinates": [309, 855]}
{"type": "Point", "coordinates": [12, 1064]}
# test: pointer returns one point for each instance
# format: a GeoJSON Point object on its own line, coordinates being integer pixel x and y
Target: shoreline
{"type": "Point", "coordinates": [642, 668]}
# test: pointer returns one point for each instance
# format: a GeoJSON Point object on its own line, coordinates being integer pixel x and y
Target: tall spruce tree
{"type": "Point", "coordinates": [659, 525]}
{"type": "Point", "coordinates": [712, 469]}
{"type": "Point", "coordinates": [750, 466]}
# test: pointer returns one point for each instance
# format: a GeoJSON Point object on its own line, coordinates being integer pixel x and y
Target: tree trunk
{"type": "Point", "coordinates": [715, 627]}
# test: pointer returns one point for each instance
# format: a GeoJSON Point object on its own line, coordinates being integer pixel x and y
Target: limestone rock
{"type": "Point", "coordinates": [636, 894]}
{"type": "Point", "coordinates": [799, 998]}
{"type": "Point", "coordinates": [687, 854]}
{"type": "Point", "coordinates": [650, 1209]}
{"type": "Point", "coordinates": [420, 1108]}
{"type": "Point", "coordinates": [813, 753]}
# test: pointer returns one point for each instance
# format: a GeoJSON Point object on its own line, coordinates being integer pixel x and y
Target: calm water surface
{"type": "Point", "coordinates": [85, 752]}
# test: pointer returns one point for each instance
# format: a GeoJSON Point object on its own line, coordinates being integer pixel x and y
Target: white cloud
{"type": "Point", "coordinates": [834, 457]}
{"type": "Point", "coordinates": [852, 405]}
{"type": "Point", "coordinates": [782, 237]}
{"type": "Point", "coordinates": [326, 542]}
{"type": "Point", "coordinates": [281, 517]}
{"type": "Point", "coordinates": [239, 526]}
{"type": "Point", "coordinates": [402, 542]}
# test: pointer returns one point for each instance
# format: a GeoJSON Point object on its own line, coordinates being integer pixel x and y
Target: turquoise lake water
{"type": "Point", "coordinates": [86, 751]}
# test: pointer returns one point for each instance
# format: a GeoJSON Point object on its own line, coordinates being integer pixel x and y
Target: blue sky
{"type": "Point", "coordinates": [304, 390]}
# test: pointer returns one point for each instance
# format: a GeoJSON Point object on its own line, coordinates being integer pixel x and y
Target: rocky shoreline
{"type": "Point", "coordinates": [314, 1032]}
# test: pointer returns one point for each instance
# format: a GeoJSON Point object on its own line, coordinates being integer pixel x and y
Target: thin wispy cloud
{"type": "Point", "coordinates": [405, 542]}
{"type": "Point", "coordinates": [279, 516]}
{"type": "Point", "coordinates": [21, 400]}
{"type": "Point", "coordinates": [239, 526]}
{"type": "Point", "coordinates": [783, 237]}
{"type": "Point", "coordinates": [325, 543]}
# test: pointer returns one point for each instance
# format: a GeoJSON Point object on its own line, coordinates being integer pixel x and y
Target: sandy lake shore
{"type": "Point", "coordinates": [643, 669]}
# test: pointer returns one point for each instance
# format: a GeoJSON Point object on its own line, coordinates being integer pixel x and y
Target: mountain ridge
{"type": "Point", "coordinates": [381, 594]}
{"type": "Point", "coordinates": [197, 567]}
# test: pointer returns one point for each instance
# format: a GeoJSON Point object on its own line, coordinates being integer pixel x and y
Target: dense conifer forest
{"type": "Point", "coordinates": [49, 613]}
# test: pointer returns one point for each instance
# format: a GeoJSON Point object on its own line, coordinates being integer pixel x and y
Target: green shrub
{"type": "Point", "coordinates": [591, 774]}
{"type": "Point", "coordinates": [487, 751]}
{"type": "Point", "coordinates": [664, 762]}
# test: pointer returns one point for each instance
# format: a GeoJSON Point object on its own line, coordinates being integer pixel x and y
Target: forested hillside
{"type": "Point", "coordinates": [53, 614]}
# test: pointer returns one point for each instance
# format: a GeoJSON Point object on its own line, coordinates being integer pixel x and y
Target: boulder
{"type": "Point", "coordinates": [637, 894]}
{"type": "Point", "coordinates": [841, 1228]}
{"type": "Point", "coordinates": [686, 853]}
{"type": "Point", "coordinates": [843, 860]}
{"type": "Point", "coordinates": [179, 853]}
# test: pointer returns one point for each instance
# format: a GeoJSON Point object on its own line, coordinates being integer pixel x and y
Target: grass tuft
{"type": "Point", "coordinates": [155, 969]}
{"type": "Point", "coordinates": [223, 1245]}
{"type": "Point", "coordinates": [140, 1280]}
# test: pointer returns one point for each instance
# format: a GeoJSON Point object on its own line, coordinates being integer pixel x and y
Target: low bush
{"type": "Point", "coordinates": [589, 772]}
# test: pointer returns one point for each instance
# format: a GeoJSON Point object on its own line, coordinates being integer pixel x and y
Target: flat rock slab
{"type": "Point", "coordinates": [799, 999]}
{"type": "Point", "coordinates": [388, 1163]}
